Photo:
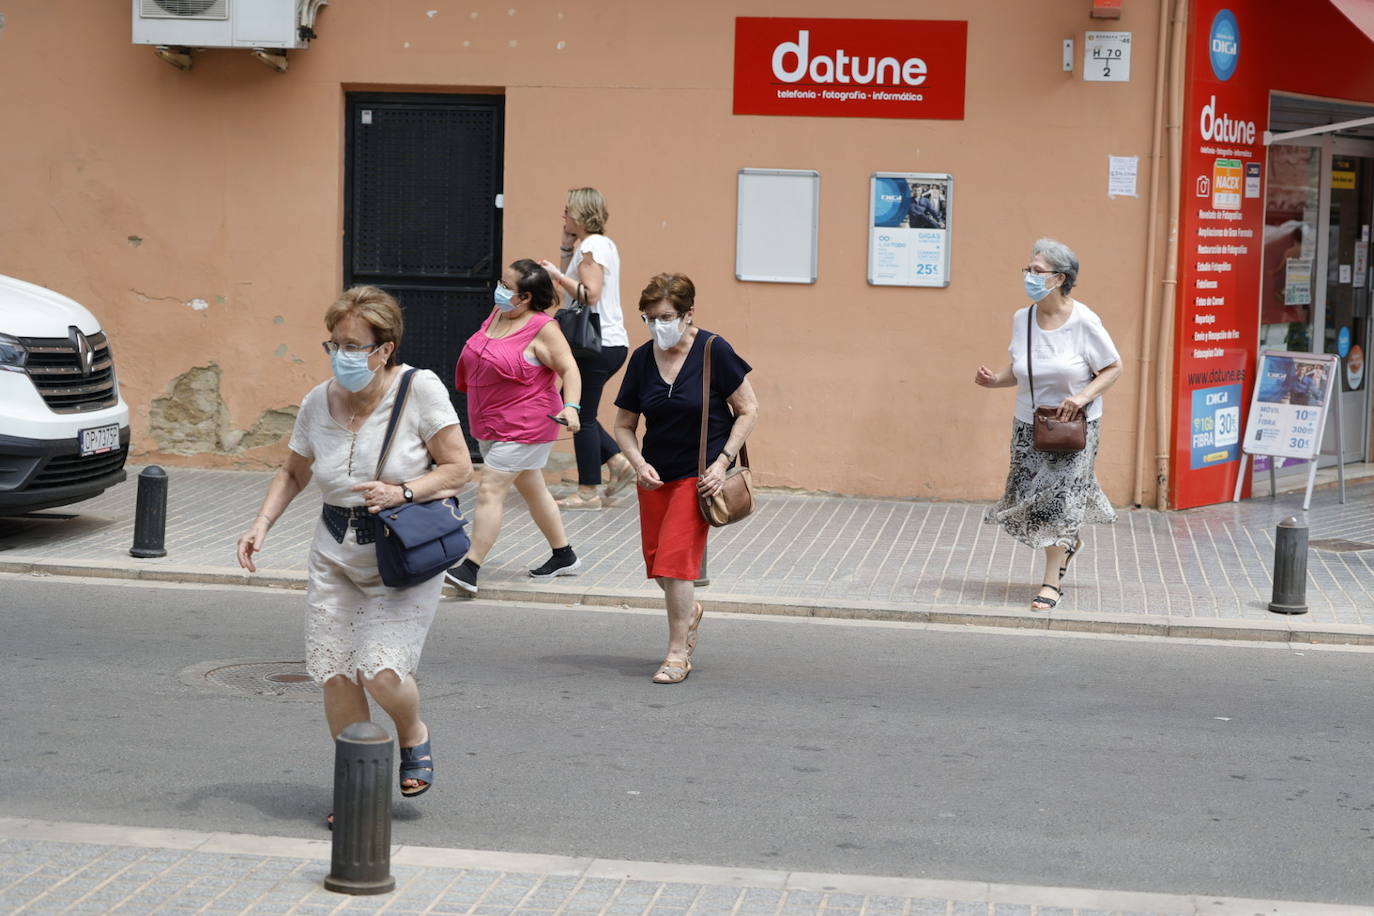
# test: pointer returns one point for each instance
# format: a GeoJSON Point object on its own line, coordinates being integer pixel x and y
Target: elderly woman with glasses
{"type": "Point", "coordinates": [363, 638]}
{"type": "Point", "coordinates": [1050, 496]}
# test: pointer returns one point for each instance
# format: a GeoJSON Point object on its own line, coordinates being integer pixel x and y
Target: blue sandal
{"type": "Point", "coordinates": [417, 763]}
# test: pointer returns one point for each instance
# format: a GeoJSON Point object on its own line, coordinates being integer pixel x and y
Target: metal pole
{"type": "Point", "coordinates": [150, 513]}
{"type": "Point", "coordinates": [1290, 568]}
{"type": "Point", "coordinates": [363, 770]}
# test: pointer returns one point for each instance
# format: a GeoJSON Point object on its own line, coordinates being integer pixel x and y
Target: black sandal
{"type": "Point", "coordinates": [1047, 603]}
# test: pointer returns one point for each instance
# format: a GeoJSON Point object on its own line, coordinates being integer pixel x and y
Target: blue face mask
{"type": "Point", "coordinates": [503, 298]}
{"type": "Point", "coordinates": [1037, 287]}
{"type": "Point", "coordinates": [351, 370]}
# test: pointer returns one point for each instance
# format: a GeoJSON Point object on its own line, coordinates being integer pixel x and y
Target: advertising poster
{"type": "Point", "coordinates": [1288, 412]}
{"type": "Point", "coordinates": [1221, 249]}
{"type": "Point", "coordinates": [908, 228]}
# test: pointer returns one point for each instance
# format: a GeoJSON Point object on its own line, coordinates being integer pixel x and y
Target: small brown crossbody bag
{"type": "Point", "coordinates": [735, 501]}
{"type": "Point", "coordinates": [1051, 433]}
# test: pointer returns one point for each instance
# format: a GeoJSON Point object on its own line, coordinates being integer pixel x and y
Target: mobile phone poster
{"type": "Point", "coordinates": [1290, 403]}
{"type": "Point", "coordinates": [908, 219]}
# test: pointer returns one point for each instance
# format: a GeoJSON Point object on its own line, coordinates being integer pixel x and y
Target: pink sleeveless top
{"type": "Point", "coordinates": [509, 400]}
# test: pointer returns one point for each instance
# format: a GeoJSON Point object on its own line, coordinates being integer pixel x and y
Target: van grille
{"type": "Point", "coordinates": [65, 470]}
{"type": "Point", "coordinates": [55, 367]}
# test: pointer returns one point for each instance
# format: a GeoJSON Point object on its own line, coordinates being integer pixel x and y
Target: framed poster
{"type": "Point", "coordinates": [1289, 406]}
{"type": "Point", "coordinates": [777, 225]}
{"type": "Point", "coordinates": [908, 228]}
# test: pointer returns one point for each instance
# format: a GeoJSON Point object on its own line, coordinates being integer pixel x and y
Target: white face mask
{"type": "Point", "coordinates": [667, 331]}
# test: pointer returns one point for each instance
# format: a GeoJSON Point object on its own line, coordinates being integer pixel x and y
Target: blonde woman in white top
{"type": "Point", "coordinates": [1050, 496]}
{"type": "Point", "coordinates": [589, 270]}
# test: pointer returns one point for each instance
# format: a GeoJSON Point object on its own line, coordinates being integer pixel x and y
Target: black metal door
{"type": "Point", "coordinates": [422, 175]}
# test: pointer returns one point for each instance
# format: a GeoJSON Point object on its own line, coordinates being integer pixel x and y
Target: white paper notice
{"type": "Point", "coordinates": [1345, 273]}
{"type": "Point", "coordinates": [1107, 57]}
{"type": "Point", "coordinates": [1297, 282]}
{"type": "Point", "coordinates": [1121, 175]}
{"type": "Point", "coordinates": [1361, 263]}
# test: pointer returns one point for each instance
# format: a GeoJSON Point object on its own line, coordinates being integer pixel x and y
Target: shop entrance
{"type": "Point", "coordinates": [1316, 289]}
{"type": "Point", "coordinates": [422, 220]}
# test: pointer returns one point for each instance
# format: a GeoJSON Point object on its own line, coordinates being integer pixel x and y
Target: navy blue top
{"type": "Point", "coordinates": [672, 413]}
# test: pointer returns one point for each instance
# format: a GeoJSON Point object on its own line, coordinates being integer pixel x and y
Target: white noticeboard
{"type": "Point", "coordinates": [777, 225]}
{"type": "Point", "coordinates": [909, 228]}
{"type": "Point", "coordinates": [1107, 57]}
{"type": "Point", "coordinates": [1293, 394]}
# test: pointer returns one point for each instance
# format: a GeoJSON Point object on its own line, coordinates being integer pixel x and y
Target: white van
{"type": "Point", "coordinates": [64, 429]}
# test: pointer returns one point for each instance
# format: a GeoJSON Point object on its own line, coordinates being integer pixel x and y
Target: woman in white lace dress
{"type": "Point", "coordinates": [363, 638]}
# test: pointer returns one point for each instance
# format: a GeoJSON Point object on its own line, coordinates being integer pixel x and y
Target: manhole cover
{"type": "Point", "coordinates": [1340, 545]}
{"type": "Point", "coordinates": [242, 677]}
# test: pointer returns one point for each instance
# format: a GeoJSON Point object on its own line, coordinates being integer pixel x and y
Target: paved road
{"type": "Point", "coordinates": [819, 745]}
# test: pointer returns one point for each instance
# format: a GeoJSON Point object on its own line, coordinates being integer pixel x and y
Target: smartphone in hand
{"type": "Point", "coordinates": [556, 419]}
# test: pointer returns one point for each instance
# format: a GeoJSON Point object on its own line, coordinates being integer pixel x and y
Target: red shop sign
{"type": "Point", "coordinates": [850, 68]}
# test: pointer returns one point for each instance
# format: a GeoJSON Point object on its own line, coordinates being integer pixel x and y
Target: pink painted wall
{"type": "Point", "coordinates": [231, 175]}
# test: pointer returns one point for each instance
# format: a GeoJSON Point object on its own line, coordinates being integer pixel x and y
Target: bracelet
{"type": "Point", "coordinates": [566, 250]}
{"type": "Point", "coordinates": [728, 457]}
{"type": "Point", "coordinates": [576, 407]}
{"type": "Point", "coordinates": [268, 517]}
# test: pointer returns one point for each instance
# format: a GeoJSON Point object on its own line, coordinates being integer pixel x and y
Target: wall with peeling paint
{"type": "Point", "coordinates": [199, 213]}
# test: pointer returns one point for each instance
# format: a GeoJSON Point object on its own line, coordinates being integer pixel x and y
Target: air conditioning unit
{"type": "Point", "coordinates": [250, 24]}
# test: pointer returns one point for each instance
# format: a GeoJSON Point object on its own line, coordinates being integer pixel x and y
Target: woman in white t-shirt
{"type": "Point", "coordinates": [589, 269]}
{"type": "Point", "coordinates": [1050, 496]}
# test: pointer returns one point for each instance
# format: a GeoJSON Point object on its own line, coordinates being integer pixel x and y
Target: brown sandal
{"type": "Point", "coordinates": [692, 630]}
{"type": "Point", "coordinates": [673, 671]}
{"type": "Point", "coordinates": [620, 480]}
{"type": "Point", "coordinates": [577, 502]}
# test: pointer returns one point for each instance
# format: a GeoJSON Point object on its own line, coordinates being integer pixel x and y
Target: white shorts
{"type": "Point", "coordinates": [513, 457]}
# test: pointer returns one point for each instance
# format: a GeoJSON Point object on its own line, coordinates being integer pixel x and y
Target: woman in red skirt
{"type": "Point", "coordinates": [663, 384]}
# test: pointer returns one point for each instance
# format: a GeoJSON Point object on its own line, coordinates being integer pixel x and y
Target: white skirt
{"type": "Point", "coordinates": [355, 625]}
{"type": "Point", "coordinates": [513, 457]}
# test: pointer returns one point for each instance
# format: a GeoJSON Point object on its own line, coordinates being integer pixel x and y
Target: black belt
{"type": "Point", "coordinates": [338, 519]}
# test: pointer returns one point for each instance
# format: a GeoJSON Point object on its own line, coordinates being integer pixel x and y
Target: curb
{"type": "Point", "coordinates": [1279, 632]}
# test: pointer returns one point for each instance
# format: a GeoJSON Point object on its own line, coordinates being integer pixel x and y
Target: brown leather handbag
{"type": "Point", "coordinates": [735, 501]}
{"type": "Point", "coordinates": [1051, 433]}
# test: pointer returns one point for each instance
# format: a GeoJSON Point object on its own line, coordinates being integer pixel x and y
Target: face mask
{"type": "Point", "coordinates": [1036, 286]}
{"type": "Point", "coordinates": [351, 370]}
{"type": "Point", "coordinates": [667, 332]}
{"type": "Point", "coordinates": [503, 298]}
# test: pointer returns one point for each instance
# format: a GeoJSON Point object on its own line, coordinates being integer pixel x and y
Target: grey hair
{"type": "Point", "coordinates": [1061, 258]}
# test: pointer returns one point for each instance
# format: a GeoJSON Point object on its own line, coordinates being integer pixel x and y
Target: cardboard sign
{"type": "Point", "coordinates": [850, 68]}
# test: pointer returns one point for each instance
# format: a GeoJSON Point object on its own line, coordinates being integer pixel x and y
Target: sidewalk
{"type": "Point", "coordinates": [1200, 573]}
{"type": "Point", "coordinates": [89, 868]}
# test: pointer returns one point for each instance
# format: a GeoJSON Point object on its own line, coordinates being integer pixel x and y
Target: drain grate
{"type": "Point", "coordinates": [1339, 545]}
{"type": "Point", "coordinates": [242, 677]}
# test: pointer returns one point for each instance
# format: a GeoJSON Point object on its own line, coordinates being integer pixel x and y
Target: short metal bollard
{"type": "Point", "coordinates": [1290, 568]}
{"type": "Point", "coordinates": [361, 860]}
{"type": "Point", "coordinates": [150, 514]}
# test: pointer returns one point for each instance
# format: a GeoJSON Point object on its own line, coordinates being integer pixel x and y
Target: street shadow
{"type": "Point", "coordinates": [285, 801]}
{"type": "Point", "coordinates": [623, 665]}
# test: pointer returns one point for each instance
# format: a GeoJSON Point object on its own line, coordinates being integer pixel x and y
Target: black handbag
{"type": "Point", "coordinates": [581, 326]}
{"type": "Point", "coordinates": [1051, 433]}
{"type": "Point", "coordinates": [416, 541]}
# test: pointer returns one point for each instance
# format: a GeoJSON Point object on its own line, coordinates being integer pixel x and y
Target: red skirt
{"type": "Point", "coordinates": [672, 530]}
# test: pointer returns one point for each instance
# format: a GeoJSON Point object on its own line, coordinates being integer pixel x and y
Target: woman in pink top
{"type": "Point", "coordinates": [511, 370]}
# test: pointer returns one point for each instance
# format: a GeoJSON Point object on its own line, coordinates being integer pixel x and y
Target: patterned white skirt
{"type": "Point", "coordinates": [1050, 496]}
{"type": "Point", "coordinates": [355, 625]}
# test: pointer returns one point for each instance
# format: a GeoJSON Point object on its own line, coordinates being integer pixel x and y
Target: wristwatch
{"type": "Point", "coordinates": [406, 492]}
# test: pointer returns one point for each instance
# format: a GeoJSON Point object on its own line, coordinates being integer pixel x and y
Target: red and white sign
{"type": "Point", "coordinates": [850, 68]}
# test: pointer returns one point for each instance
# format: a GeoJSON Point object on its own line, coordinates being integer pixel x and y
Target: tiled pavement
{"type": "Point", "coordinates": [82, 868]}
{"type": "Point", "coordinates": [1202, 572]}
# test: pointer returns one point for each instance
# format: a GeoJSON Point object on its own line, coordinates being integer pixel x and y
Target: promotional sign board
{"type": "Point", "coordinates": [908, 228]}
{"type": "Point", "coordinates": [850, 68]}
{"type": "Point", "coordinates": [1288, 410]}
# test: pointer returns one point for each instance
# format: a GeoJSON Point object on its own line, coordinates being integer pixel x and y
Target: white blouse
{"type": "Point", "coordinates": [1065, 359]}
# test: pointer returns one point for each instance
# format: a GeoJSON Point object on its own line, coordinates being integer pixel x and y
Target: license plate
{"type": "Point", "coordinates": [98, 440]}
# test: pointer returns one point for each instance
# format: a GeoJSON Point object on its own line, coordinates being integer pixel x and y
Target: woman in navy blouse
{"type": "Point", "coordinates": [663, 384]}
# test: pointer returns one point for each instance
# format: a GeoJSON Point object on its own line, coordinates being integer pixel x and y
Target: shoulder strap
{"type": "Point", "coordinates": [705, 410]}
{"type": "Point", "coordinates": [1030, 373]}
{"type": "Point", "coordinates": [396, 409]}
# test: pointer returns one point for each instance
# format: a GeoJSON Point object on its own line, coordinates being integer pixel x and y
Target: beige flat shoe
{"type": "Point", "coordinates": [620, 480]}
{"type": "Point", "coordinates": [673, 671]}
{"type": "Point", "coordinates": [577, 502]}
{"type": "Point", "coordinates": [692, 630]}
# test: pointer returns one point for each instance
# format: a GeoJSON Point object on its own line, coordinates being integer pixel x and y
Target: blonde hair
{"type": "Point", "coordinates": [588, 207]}
{"type": "Point", "coordinates": [375, 306]}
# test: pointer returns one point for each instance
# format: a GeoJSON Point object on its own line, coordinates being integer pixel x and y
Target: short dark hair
{"type": "Point", "coordinates": [535, 281]}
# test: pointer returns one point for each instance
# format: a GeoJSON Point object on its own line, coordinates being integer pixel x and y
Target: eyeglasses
{"type": "Point", "coordinates": [666, 318]}
{"type": "Point", "coordinates": [1038, 272]}
{"type": "Point", "coordinates": [331, 348]}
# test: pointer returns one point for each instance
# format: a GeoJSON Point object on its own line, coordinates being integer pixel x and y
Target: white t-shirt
{"type": "Point", "coordinates": [1066, 359]}
{"type": "Point", "coordinates": [604, 252]}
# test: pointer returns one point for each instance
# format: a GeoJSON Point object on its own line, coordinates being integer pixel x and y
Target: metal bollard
{"type": "Point", "coordinates": [150, 513]}
{"type": "Point", "coordinates": [1290, 568]}
{"type": "Point", "coordinates": [361, 860]}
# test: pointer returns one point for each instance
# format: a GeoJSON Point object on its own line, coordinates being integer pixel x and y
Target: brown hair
{"type": "Point", "coordinates": [375, 306]}
{"type": "Point", "coordinates": [588, 207]}
{"type": "Point", "coordinates": [678, 289]}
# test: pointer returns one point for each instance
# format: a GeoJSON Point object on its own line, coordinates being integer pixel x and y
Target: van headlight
{"type": "Point", "coordinates": [12, 354]}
